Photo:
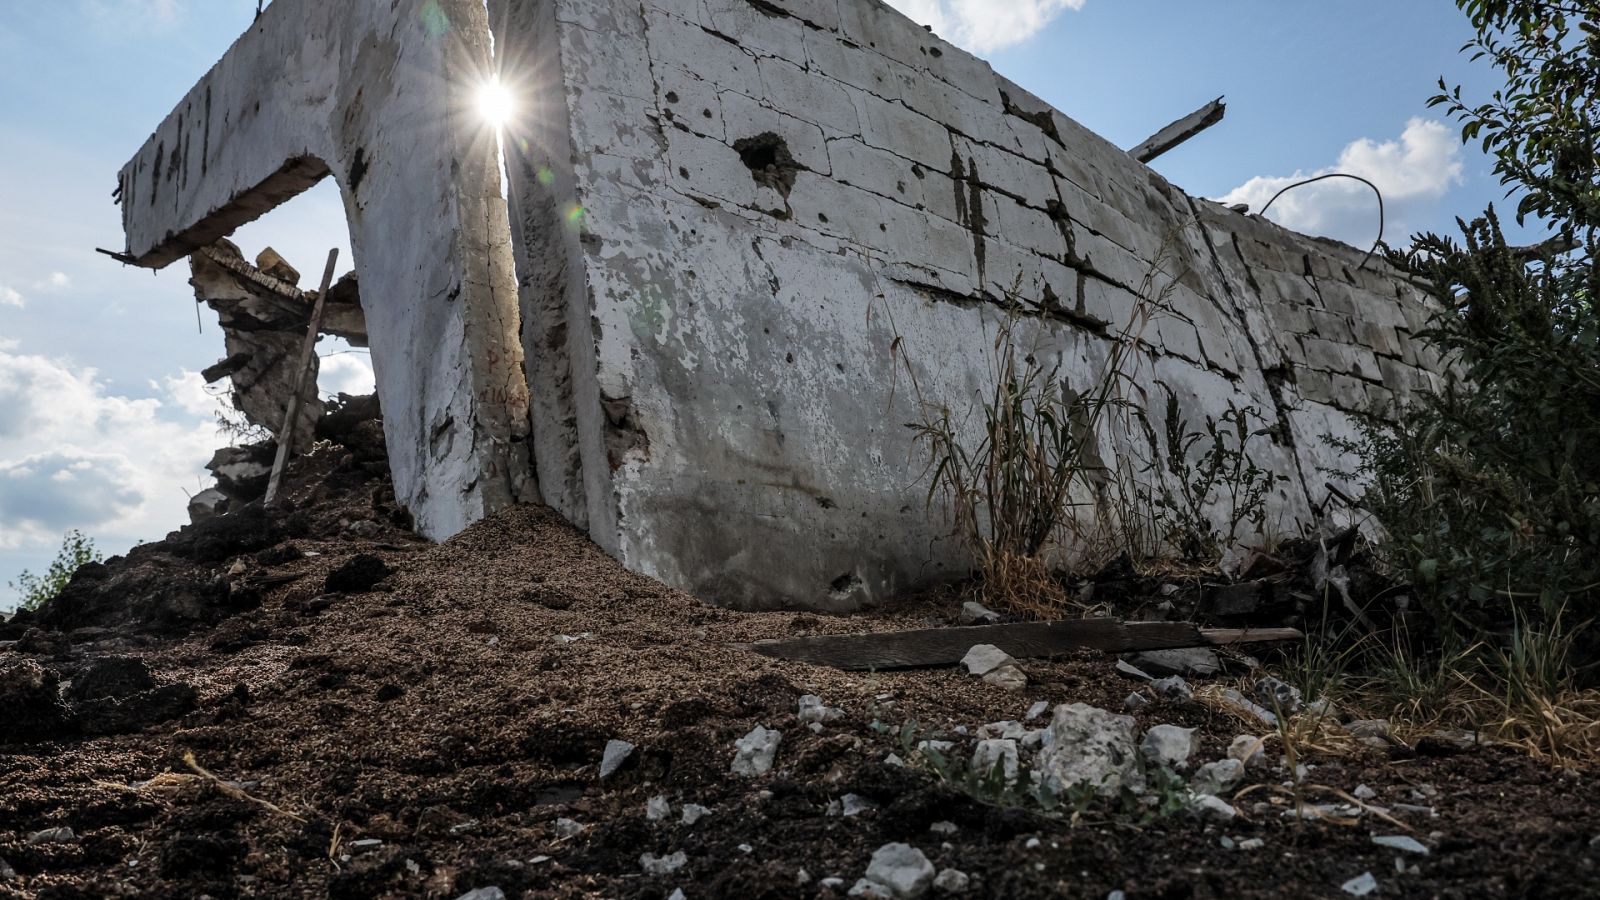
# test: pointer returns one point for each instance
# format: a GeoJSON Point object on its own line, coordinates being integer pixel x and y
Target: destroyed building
{"type": "Point", "coordinates": [728, 225]}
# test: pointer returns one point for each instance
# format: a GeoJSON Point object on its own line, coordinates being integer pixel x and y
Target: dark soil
{"type": "Point", "coordinates": [455, 706]}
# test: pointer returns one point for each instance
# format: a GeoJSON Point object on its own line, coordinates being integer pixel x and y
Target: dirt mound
{"type": "Point", "coordinates": [223, 713]}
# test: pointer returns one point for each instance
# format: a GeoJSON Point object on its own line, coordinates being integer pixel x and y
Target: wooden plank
{"type": "Point", "coordinates": [1180, 131]}
{"type": "Point", "coordinates": [308, 351]}
{"type": "Point", "coordinates": [946, 646]}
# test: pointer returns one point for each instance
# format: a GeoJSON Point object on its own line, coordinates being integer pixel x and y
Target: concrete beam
{"type": "Point", "coordinates": [1180, 131]}
{"type": "Point", "coordinates": [381, 97]}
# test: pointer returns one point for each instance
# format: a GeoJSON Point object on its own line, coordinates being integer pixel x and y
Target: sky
{"type": "Point", "coordinates": [105, 425]}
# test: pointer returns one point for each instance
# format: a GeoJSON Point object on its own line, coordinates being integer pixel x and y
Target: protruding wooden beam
{"type": "Point", "coordinates": [1180, 131]}
{"type": "Point", "coordinates": [946, 646]}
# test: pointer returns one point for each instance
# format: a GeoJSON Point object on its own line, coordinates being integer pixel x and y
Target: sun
{"type": "Point", "coordinates": [495, 103]}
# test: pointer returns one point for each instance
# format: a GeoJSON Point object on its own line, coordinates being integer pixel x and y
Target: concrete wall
{"type": "Point", "coordinates": [728, 218]}
{"type": "Point", "coordinates": [380, 96]}
{"type": "Point", "coordinates": [709, 347]}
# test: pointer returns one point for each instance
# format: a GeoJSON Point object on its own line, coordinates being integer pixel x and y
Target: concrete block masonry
{"type": "Point", "coordinates": [722, 214]}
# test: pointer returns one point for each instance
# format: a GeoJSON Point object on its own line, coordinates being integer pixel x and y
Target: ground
{"type": "Point", "coordinates": [454, 702]}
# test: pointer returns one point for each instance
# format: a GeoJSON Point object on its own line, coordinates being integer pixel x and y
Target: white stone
{"type": "Point", "coordinates": [1208, 806]}
{"type": "Point", "coordinates": [1168, 745]}
{"type": "Point", "coordinates": [951, 881]}
{"type": "Point", "coordinates": [693, 812]}
{"type": "Point", "coordinates": [855, 805]}
{"type": "Point", "coordinates": [995, 754]}
{"type": "Point", "coordinates": [1400, 842]}
{"type": "Point", "coordinates": [903, 869]}
{"type": "Point", "coordinates": [663, 865]}
{"type": "Point", "coordinates": [483, 893]}
{"type": "Point", "coordinates": [1038, 709]}
{"type": "Point", "coordinates": [657, 808]}
{"type": "Point", "coordinates": [755, 752]}
{"type": "Point", "coordinates": [1361, 885]}
{"type": "Point", "coordinates": [985, 658]}
{"type": "Point", "coordinates": [616, 753]}
{"type": "Point", "coordinates": [1217, 777]}
{"type": "Point", "coordinates": [1008, 677]}
{"type": "Point", "coordinates": [812, 711]}
{"type": "Point", "coordinates": [1086, 745]}
{"type": "Point", "coordinates": [1248, 749]}
{"type": "Point", "coordinates": [567, 828]}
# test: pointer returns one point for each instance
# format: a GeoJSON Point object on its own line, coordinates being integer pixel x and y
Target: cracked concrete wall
{"type": "Point", "coordinates": [726, 212]}
{"type": "Point", "coordinates": [379, 95]}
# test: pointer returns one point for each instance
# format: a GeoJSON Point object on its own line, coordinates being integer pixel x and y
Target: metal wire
{"type": "Point", "coordinates": [1375, 244]}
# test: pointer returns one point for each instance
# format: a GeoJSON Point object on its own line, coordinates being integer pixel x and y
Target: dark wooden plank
{"type": "Point", "coordinates": [946, 646]}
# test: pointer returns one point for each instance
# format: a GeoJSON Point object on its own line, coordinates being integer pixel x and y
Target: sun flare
{"type": "Point", "coordinates": [495, 103]}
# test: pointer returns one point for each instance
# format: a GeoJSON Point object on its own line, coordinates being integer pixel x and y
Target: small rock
{"type": "Point", "coordinates": [1132, 671]}
{"type": "Point", "coordinates": [662, 865]}
{"type": "Point", "coordinates": [951, 881]}
{"type": "Point", "coordinates": [831, 883]}
{"type": "Point", "coordinates": [1361, 885]}
{"type": "Point", "coordinates": [657, 808]}
{"type": "Point", "coordinates": [996, 753]}
{"type": "Point", "coordinates": [978, 614]}
{"type": "Point", "coordinates": [677, 894]}
{"type": "Point", "coordinates": [1009, 678]}
{"type": "Point", "coordinates": [985, 658]}
{"type": "Point", "coordinates": [1400, 842]}
{"type": "Point", "coordinates": [1192, 661]}
{"type": "Point", "coordinates": [365, 845]}
{"type": "Point", "coordinates": [1278, 695]}
{"type": "Point", "coordinates": [1362, 792]}
{"type": "Point", "coordinates": [60, 835]}
{"type": "Point", "coordinates": [950, 828]}
{"type": "Point", "coordinates": [1252, 844]}
{"type": "Point", "coordinates": [1217, 777]}
{"type": "Point", "coordinates": [1208, 806]}
{"type": "Point", "coordinates": [1135, 701]}
{"type": "Point", "coordinates": [6, 872]}
{"type": "Point", "coordinates": [813, 711]}
{"type": "Point", "coordinates": [616, 753]}
{"type": "Point", "coordinates": [567, 828]}
{"type": "Point", "coordinates": [1369, 729]}
{"type": "Point", "coordinates": [1321, 708]}
{"type": "Point", "coordinates": [1038, 709]}
{"type": "Point", "coordinates": [894, 759]}
{"type": "Point", "coordinates": [872, 890]}
{"type": "Point", "coordinates": [1086, 745]}
{"type": "Point", "coordinates": [855, 805]}
{"type": "Point", "coordinates": [1033, 843]}
{"type": "Point", "coordinates": [1002, 729]}
{"type": "Point", "coordinates": [802, 877]}
{"type": "Point", "coordinates": [1248, 749]}
{"type": "Point", "coordinates": [483, 893]}
{"type": "Point", "coordinates": [903, 869]}
{"type": "Point", "coordinates": [1168, 745]}
{"type": "Point", "coordinates": [693, 812]}
{"type": "Point", "coordinates": [1173, 687]}
{"type": "Point", "coordinates": [1241, 706]}
{"type": "Point", "coordinates": [755, 752]}
{"type": "Point", "coordinates": [1226, 843]}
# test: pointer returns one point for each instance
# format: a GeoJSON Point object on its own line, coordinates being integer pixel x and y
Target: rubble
{"type": "Point", "coordinates": [755, 752]}
{"type": "Point", "coordinates": [663, 865]}
{"type": "Point", "coordinates": [1169, 745]}
{"type": "Point", "coordinates": [903, 869]}
{"type": "Point", "coordinates": [1086, 745]}
{"type": "Point", "coordinates": [1189, 663]}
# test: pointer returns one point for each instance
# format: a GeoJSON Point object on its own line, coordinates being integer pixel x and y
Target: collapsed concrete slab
{"type": "Point", "coordinates": [378, 96]}
{"type": "Point", "coordinates": [741, 227]}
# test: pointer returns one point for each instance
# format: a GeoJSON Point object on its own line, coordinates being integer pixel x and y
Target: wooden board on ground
{"type": "Point", "coordinates": [946, 646]}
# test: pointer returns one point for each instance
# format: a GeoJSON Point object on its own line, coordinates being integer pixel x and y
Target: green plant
{"type": "Point", "coordinates": [1224, 476]}
{"type": "Point", "coordinates": [36, 590]}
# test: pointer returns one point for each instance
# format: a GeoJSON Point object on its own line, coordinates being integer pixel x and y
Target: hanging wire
{"type": "Point", "coordinates": [1375, 244]}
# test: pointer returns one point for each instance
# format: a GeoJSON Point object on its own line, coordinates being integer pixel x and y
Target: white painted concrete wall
{"type": "Point", "coordinates": [715, 393]}
{"type": "Point", "coordinates": [379, 95]}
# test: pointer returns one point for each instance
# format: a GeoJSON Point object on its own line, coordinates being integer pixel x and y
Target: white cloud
{"type": "Point", "coordinates": [58, 281]}
{"type": "Point", "coordinates": [137, 15]}
{"type": "Point", "coordinates": [347, 372]}
{"type": "Point", "coordinates": [983, 26]}
{"type": "Point", "coordinates": [73, 455]}
{"type": "Point", "coordinates": [1413, 173]}
{"type": "Point", "coordinates": [10, 297]}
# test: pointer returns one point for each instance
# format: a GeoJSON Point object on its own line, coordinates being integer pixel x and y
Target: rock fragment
{"type": "Point", "coordinates": [996, 754]}
{"type": "Point", "coordinates": [755, 751]}
{"type": "Point", "coordinates": [1278, 695]}
{"type": "Point", "coordinates": [615, 754]}
{"type": "Point", "coordinates": [1361, 885]}
{"type": "Point", "coordinates": [483, 893]}
{"type": "Point", "coordinates": [1217, 777]}
{"type": "Point", "coordinates": [1168, 745]}
{"type": "Point", "coordinates": [812, 711]}
{"type": "Point", "coordinates": [951, 881]}
{"type": "Point", "coordinates": [1189, 662]}
{"type": "Point", "coordinates": [1172, 687]}
{"type": "Point", "coordinates": [663, 865]}
{"type": "Point", "coordinates": [58, 835]}
{"type": "Point", "coordinates": [1400, 842]}
{"type": "Point", "coordinates": [985, 658]}
{"type": "Point", "coordinates": [1241, 706]}
{"type": "Point", "coordinates": [903, 869]}
{"type": "Point", "coordinates": [977, 614]}
{"type": "Point", "coordinates": [657, 808]}
{"type": "Point", "coordinates": [693, 812]}
{"type": "Point", "coordinates": [1087, 745]}
{"type": "Point", "coordinates": [1248, 749]}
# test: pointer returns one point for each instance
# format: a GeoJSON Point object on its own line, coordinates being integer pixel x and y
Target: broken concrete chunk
{"type": "Point", "coordinates": [657, 808]}
{"type": "Point", "coordinates": [208, 504]}
{"type": "Point", "coordinates": [1087, 745]}
{"type": "Point", "coordinates": [1168, 745]}
{"type": "Point", "coordinates": [755, 751]}
{"type": "Point", "coordinates": [1173, 687]}
{"type": "Point", "coordinates": [978, 614]}
{"type": "Point", "coordinates": [813, 712]}
{"type": "Point", "coordinates": [995, 754]}
{"type": "Point", "coordinates": [663, 865]}
{"type": "Point", "coordinates": [275, 266]}
{"type": "Point", "coordinates": [483, 893]}
{"type": "Point", "coordinates": [1009, 677]}
{"type": "Point", "coordinates": [1400, 842]}
{"type": "Point", "coordinates": [903, 869]}
{"type": "Point", "coordinates": [1361, 885]}
{"type": "Point", "coordinates": [951, 881]}
{"type": "Point", "coordinates": [1189, 662]}
{"type": "Point", "coordinates": [1217, 777]}
{"type": "Point", "coordinates": [615, 754]}
{"type": "Point", "coordinates": [985, 658]}
{"type": "Point", "coordinates": [1209, 806]}
{"type": "Point", "coordinates": [693, 812]}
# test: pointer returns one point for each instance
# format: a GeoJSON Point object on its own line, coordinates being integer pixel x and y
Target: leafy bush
{"type": "Point", "coordinates": [76, 550]}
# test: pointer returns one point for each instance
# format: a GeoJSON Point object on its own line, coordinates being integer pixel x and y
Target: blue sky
{"type": "Point", "coordinates": [104, 424]}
